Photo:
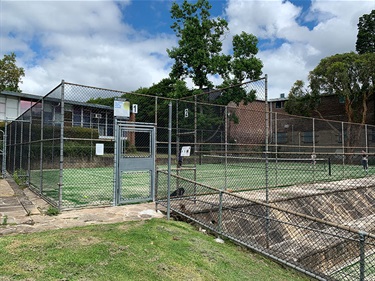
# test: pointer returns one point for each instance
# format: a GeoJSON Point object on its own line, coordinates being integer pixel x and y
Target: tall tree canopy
{"type": "Point", "coordinates": [10, 74]}
{"type": "Point", "coordinates": [300, 100]}
{"type": "Point", "coordinates": [199, 52]}
{"type": "Point", "coordinates": [244, 64]}
{"type": "Point", "coordinates": [366, 34]}
{"type": "Point", "coordinates": [350, 76]}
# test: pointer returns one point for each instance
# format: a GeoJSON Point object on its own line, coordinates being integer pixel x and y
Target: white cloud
{"type": "Point", "coordinates": [93, 43]}
{"type": "Point", "coordinates": [304, 47]}
{"type": "Point", "coordinates": [265, 19]}
{"type": "Point", "coordinates": [83, 42]}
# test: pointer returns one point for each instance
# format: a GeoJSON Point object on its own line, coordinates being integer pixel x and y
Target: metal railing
{"type": "Point", "coordinates": [323, 249]}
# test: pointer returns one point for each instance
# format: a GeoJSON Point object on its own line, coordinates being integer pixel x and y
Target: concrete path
{"type": "Point", "coordinates": [22, 211]}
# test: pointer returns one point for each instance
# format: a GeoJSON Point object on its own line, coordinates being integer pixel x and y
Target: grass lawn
{"type": "Point", "coordinates": [352, 271]}
{"type": "Point", "coordinates": [143, 250]}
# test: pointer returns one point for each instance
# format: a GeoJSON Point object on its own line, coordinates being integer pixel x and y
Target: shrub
{"type": "Point", "coordinates": [19, 177]}
{"type": "Point", "coordinates": [52, 211]}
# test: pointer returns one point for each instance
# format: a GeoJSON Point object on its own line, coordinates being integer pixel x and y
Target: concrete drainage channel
{"type": "Point", "coordinates": [327, 236]}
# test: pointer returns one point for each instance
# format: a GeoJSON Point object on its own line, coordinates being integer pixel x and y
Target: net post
{"type": "Point", "coordinates": [329, 166]}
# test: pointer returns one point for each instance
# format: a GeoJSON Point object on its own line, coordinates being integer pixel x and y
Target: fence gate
{"type": "Point", "coordinates": [134, 162]}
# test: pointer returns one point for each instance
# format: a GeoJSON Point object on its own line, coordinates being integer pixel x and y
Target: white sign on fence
{"type": "Point", "coordinates": [185, 151]}
{"type": "Point", "coordinates": [135, 108]}
{"type": "Point", "coordinates": [99, 149]}
{"type": "Point", "coordinates": [121, 108]}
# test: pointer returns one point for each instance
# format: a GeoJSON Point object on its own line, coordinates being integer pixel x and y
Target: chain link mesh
{"type": "Point", "coordinates": [300, 190]}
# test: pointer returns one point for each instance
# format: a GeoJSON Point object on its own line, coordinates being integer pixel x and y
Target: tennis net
{"type": "Point", "coordinates": [304, 164]}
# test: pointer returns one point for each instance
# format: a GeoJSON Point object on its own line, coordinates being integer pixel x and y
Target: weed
{"type": "Point", "coordinates": [52, 211]}
{"type": "Point", "coordinates": [19, 177]}
{"type": "Point", "coordinates": [5, 220]}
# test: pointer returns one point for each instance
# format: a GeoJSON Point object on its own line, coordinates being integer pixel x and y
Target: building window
{"type": "Point", "coordinates": [77, 117]}
{"type": "Point", "coordinates": [282, 137]}
{"type": "Point", "coordinates": [68, 116]}
{"type": "Point", "coordinates": [2, 109]}
{"type": "Point", "coordinates": [86, 118]}
{"type": "Point", "coordinates": [25, 105]}
{"type": "Point", "coordinates": [279, 104]}
{"type": "Point", "coordinates": [307, 137]}
{"type": "Point", "coordinates": [339, 137]}
{"type": "Point", "coordinates": [11, 108]}
{"type": "Point", "coordinates": [372, 135]}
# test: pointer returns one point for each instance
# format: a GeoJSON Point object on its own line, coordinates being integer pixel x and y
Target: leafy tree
{"type": "Point", "coordinates": [145, 98]}
{"type": "Point", "coordinates": [10, 74]}
{"type": "Point", "coordinates": [199, 52]}
{"type": "Point", "coordinates": [232, 91]}
{"type": "Point", "coordinates": [301, 101]}
{"type": "Point", "coordinates": [244, 64]}
{"type": "Point", "coordinates": [350, 76]}
{"type": "Point", "coordinates": [102, 101]}
{"type": "Point", "coordinates": [366, 34]}
{"type": "Point", "coordinates": [199, 56]}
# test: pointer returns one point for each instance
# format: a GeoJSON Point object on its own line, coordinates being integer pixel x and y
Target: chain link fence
{"type": "Point", "coordinates": [318, 240]}
{"type": "Point", "coordinates": [300, 190]}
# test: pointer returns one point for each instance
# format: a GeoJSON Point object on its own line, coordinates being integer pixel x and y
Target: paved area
{"type": "Point", "coordinates": [22, 211]}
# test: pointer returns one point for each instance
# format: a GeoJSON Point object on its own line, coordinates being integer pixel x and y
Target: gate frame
{"type": "Point", "coordinates": [140, 127]}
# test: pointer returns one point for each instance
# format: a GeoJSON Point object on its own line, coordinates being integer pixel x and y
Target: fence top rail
{"type": "Point", "coordinates": [221, 89]}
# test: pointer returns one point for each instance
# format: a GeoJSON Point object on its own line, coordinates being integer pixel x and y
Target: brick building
{"type": "Point", "coordinates": [247, 123]}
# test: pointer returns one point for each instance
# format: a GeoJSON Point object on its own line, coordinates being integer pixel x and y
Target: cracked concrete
{"type": "Point", "coordinates": [22, 211]}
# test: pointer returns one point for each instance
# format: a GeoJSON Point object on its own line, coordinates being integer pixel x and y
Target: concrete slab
{"type": "Point", "coordinates": [5, 189]}
{"type": "Point", "coordinates": [25, 212]}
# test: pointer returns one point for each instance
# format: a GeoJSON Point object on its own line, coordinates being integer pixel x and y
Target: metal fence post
{"type": "Point", "coordinates": [14, 147]}
{"type": "Point", "coordinates": [226, 149]}
{"type": "Point", "coordinates": [29, 153]}
{"type": "Point", "coordinates": [343, 148]}
{"type": "Point", "coordinates": [266, 168]}
{"type": "Point", "coordinates": [42, 148]}
{"type": "Point", "coordinates": [276, 148]}
{"type": "Point", "coordinates": [362, 262]}
{"type": "Point", "coordinates": [61, 179]}
{"type": "Point", "coordinates": [116, 151]}
{"type": "Point", "coordinates": [314, 151]}
{"type": "Point", "coordinates": [7, 160]}
{"type": "Point", "coordinates": [195, 130]}
{"type": "Point", "coordinates": [5, 136]}
{"type": "Point", "coordinates": [220, 219]}
{"type": "Point", "coordinates": [21, 149]}
{"type": "Point", "coordinates": [169, 161]}
{"type": "Point", "coordinates": [156, 125]}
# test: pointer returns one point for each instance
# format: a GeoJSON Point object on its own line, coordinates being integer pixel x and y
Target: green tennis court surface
{"type": "Point", "coordinates": [90, 186]}
{"type": "Point", "coordinates": [94, 186]}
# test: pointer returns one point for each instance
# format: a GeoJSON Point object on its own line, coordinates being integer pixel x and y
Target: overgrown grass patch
{"type": "Point", "coordinates": [144, 250]}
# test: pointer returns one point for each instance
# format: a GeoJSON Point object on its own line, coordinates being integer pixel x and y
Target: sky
{"type": "Point", "coordinates": [121, 45]}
